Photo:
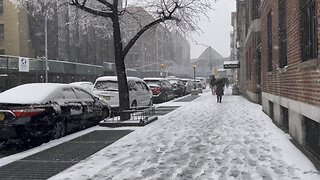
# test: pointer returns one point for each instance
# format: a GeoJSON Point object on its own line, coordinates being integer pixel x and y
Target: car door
{"type": "Point", "coordinates": [147, 94]}
{"type": "Point", "coordinates": [132, 92]}
{"type": "Point", "coordinates": [71, 107]}
{"type": "Point", "coordinates": [87, 101]}
{"type": "Point", "coordinates": [141, 94]}
{"type": "Point", "coordinates": [170, 90]}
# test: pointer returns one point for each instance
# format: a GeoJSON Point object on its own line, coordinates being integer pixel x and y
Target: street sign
{"type": "Point", "coordinates": [231, 64]}
{"type": "Point", "coordinates": [24, 64]}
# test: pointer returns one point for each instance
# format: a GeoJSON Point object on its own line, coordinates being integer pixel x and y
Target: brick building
{"type": "Point", "coordinates": [249, 48]}
{"type": "Point", "coordinates": [290, 40]}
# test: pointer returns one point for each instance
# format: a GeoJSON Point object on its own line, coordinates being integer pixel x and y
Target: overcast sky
{"type": "Point", "coordinates": [216, 30]}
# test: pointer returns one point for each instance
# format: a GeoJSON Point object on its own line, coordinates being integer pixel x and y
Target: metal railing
{"type": "Point", "coordinates": [63, 67]}
{"type": "Point", "coordinates": [140, 114]}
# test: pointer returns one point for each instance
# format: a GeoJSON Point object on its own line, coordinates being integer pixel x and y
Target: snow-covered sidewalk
{"type": "Point", "coordinates": [201, 140]}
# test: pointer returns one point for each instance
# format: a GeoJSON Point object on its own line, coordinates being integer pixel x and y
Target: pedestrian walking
{"type": "Point", "coordinates": [212, 81]}
{"type": "Point", "coordinates": [219, 83]}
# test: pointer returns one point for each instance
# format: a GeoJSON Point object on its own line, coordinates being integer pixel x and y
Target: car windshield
{"type": "Point", "coordinates": [173, 81]}
{"type": "Point", "coordinates": [106, 85]}
{"type": "Point", "coordinates": [152, 82]}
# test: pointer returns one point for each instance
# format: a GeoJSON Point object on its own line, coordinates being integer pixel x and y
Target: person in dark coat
{"type": "Point", "coordinates": [212, 81]}
{"type": "Point", "coordinates": [219, 90]}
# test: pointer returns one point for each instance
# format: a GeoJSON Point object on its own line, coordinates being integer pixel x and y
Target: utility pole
{"type": "Point", "coordinates": [46, 43]}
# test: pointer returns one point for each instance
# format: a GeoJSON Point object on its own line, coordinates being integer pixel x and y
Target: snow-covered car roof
{"type": "Point", "coordinates": [34, 93]}
{"type": "Point", "coordinates": [114, 78]}
{"type": "Point", "coordinates": [82, 83]}
{"type": "Point", "coordinates": [153, 79]}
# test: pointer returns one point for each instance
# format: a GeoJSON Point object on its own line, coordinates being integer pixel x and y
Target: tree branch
{"type": "Point", "coordinates": [90, 10]}
{"type": "Point", "coordinates": [142, 30]}
{"type": "Point", "coordinates": [109, 5]}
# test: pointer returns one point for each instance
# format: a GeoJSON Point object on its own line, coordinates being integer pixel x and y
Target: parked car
{"type": "Point", "coordinates": [161, 89]}
{"type": "Point", "coordinates": [42, 111]}
{"type": "Point", "coordinates": [203, 82]}
{"type": "Point", "coordinates": [178, 86]}
{"type": "Point", "coordinates": [139, 92]}
{"type": "Point", "coordinates": [196, 84]}
{"type": "Point", "coordinates": [88, 86]}
{"type": "Point", "coordinates": [188, 84]}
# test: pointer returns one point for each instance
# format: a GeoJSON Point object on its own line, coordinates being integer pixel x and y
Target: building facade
{"type": "Point", "coordinates": [291, 68]}
{"type": "Point", "coordinates": [15, 37]}
{"type": "Point", "coordinates": [234, 72]}
{"type": "Point", "coordinates": [241, 36]}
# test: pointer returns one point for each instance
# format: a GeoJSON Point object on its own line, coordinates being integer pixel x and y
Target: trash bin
{"type": "Point", "coordinates": [235, 90]}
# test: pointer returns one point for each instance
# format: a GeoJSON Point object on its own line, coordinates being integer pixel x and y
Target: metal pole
{"type": "Point", "coordinates": [210, 61]}
{"type": "Point", "coordinates": [46, 44]}
{"type": "Point", "coordinates": [194, 77]}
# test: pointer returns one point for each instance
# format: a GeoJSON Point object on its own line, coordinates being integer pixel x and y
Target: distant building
{"type": "Point", "coordinates": [208, 63]}
{"type": "Point", "coordinates": [68, 38]}
{"type": "Point", "coordinates": [181, 53]}
{"type": "Point", "coordinates": [15, 36]}
{"type": "Point", "coordinates": [158, 49]}
{"type": "Point", "coordinates": [153, 48]}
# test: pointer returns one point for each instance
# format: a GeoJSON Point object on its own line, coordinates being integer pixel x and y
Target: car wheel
{"type": "Point", "coordinates": [59, 130]}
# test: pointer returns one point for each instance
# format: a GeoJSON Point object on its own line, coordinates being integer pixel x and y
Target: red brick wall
{"type": "Point", "coordinates": [251, 66]}
{"type": "Point", "coordinates": [250, 51]}
{"type": "Point", "coordinates": [296, 82]}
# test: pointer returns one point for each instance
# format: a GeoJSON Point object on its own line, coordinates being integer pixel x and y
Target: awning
{"type": "Point", "coordinates": [231, 64]}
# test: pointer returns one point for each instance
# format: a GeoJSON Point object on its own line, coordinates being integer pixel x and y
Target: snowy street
{"type": "Point", "coordinates": [201, 140]}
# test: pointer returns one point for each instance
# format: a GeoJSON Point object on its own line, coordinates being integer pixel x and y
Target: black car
{"type": "Point", "coordinates": [42, 111]}
{"type": "Point", "coordinates": [178, 86]}
{"type": "Point", "coordinates": [161, 89]}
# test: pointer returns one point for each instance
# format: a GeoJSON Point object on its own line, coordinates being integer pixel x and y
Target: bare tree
{"type": "Point", "coordinates": [182, 15]}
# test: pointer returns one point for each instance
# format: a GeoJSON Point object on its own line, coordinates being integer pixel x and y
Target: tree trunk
{"type": "Point", "coordinates": [120, 68]}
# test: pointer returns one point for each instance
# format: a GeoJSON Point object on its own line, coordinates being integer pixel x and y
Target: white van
{"type": "Point", "coordinates": [107, 88]}
{"type": "Point", "coordinates": [203, 81]}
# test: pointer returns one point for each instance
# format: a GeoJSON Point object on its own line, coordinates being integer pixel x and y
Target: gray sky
{"type": "Point", "coordinates": [216, 30]}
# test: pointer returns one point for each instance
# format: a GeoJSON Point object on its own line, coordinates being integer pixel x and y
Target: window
{"type": "Point", "coordinates": [312, 135]}
{"type": "Point", "coordinates": [309, 29]}
{"type": "Point", "coordinates": [1, 6]}
{"type": "Point", "coordinates": [139, 86]}
{"type": "Point", "coordinates": [255, 9]}
{"type": "Point", "coordinates": [282, 34]}
{"type": "Point", "coordinates": [1, 31]}
{"type": "Point", "coordinates": [81, 94]}
{"type": "Point", "coordinates": [269, 41]}
{"type": "Point", "coordinates": [271, 111]}
{"type": "Point", "coordinates": [2, 52]}
{"type": "Point", "coordinates": [285, 118]}
{"type": "Point", "coordinates": [145, 86]}
{"type": "Point", "coordinates": [68, 94]}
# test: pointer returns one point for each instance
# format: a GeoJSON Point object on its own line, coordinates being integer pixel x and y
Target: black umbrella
{"type": "Point", "coordinates": [219, 80]}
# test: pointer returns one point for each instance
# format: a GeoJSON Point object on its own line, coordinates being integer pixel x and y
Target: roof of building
{"type": "Point", "coordinates": [209, 53]}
